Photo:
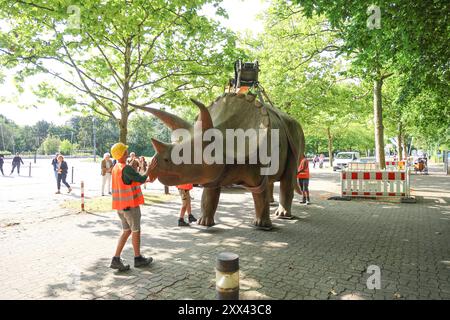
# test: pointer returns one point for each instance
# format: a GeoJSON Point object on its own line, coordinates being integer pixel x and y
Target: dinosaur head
{"type": "Point", "coordinates": [169, 169]}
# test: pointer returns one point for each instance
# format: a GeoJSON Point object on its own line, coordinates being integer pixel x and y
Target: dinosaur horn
{"type": "Point", "coordinates": [204, 116]}
{"type": "Point", "coordinates": [159, 146]}
{"type": "Point", "coordinates": [169, 119]}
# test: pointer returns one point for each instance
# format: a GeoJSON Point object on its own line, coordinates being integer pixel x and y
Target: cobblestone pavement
{"type": "Point", "coordinates": [322, 254]}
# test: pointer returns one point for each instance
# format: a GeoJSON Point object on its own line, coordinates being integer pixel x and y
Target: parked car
{"type": "Point", "coordinates": [342, 159]}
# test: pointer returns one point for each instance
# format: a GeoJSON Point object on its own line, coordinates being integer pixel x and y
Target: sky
{"type": "Point", "coordinates": [242, 17]}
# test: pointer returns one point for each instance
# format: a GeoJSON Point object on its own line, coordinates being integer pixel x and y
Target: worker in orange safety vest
{"type": "Point", "coordinates": [126, 199]}
{"type": "Point", "coordinates": [185, 205]}
{"type": "Point", "coordinates": [303, 178]}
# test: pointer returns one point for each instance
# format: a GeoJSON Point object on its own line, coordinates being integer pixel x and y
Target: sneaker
{"type": "Point", "coordinates": [70, 190]}
{"type": "Point", "coordinates": [182, 223]}
{"type": "Point", "coordinates": [57, 192]}
{"type": "Point", "coordinates": [118, 264]}
{"type": "Point", "coordinates": [303, 201]}
{"type": "Point", "coordinates": [142, 261]}
{"type": "Point", "coordinates": [307, 202]}
{"type": "Point", "coordinates": [192, 218]}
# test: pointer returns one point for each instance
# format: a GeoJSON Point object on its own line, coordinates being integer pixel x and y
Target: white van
{"type": "Point", "coordinates": [342, 159]}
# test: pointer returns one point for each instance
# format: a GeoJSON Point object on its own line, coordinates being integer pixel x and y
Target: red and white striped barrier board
{"type": "Point", "coordinates": [375, 183]}
{"type": "Point", "coordinates": [396, 164]}
{"type": "Point", "coordinates": [363, 166]}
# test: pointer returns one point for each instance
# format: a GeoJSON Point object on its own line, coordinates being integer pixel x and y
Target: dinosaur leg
{"type": "Point", "coordinates": [271, 199]}
{"type": "Point", "coordinates": [262, 219]}
{"type": "Point", "coordinates": [210, 200]}
{"type": "Point", "coordinates": [286, 192]}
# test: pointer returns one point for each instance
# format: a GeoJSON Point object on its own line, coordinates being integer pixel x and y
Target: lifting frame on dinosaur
{"type": "Point", "coordinates": [246, 79]}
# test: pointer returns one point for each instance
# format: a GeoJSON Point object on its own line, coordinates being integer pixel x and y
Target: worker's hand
{"type": "Point", "coordinates": [151, 175]}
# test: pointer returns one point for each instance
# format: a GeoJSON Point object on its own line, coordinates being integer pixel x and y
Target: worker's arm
{"type": "Point", "coordinates": [129, 175]}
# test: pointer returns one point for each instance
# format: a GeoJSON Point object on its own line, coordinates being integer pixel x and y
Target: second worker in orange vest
{"type": "Point", "coordinates": [126, 199]}
{"type": "Point", "coordinates": [303, 178]}
{"type": "Point", "coordinates": [185, 205]}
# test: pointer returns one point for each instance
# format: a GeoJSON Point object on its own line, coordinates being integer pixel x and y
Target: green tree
{"type": "Point", "coordinates": [405, 41]}
{"type": "Point", "coordinates": [51, 145]}
{"type": "Point", "coordinates": [66, 147]}
{"type": "Point", "coordinates": [300, 70]}
{"type": "Point", "coordinates": [116, 54]}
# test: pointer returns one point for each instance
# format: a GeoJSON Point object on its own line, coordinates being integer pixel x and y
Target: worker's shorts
{"type": "Point", "coordinates": [304, 184]}
{"type": "Point", "coordinates": [185, 196]}
{"type": "Point", "coordinates": [131, 219]}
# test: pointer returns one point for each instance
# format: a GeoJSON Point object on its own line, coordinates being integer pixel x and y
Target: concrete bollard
{"type": "Point", "coordinates": [227, 276]}
{"type": "Point", "coordinates": [82, 196]}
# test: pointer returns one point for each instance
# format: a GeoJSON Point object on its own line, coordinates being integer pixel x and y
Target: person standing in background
{"type": "Point", "coordinates": [133, 161]}
{"type": "Point", "coordinates": [143, 168]}
{"type": "Point", "coordinates": [2, 160]}
{"type": "Point", "coordinates": [55, 165]}
{"type": "Point", "coordinates": [17, 160]}
{"type": "Point", "coordinates": [321, 160]}
{"type": "Point", "coordinates": [106, 169]}
{"type": "Point", "coordinates": [62, 174]}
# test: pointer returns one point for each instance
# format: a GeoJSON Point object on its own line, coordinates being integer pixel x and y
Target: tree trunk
{"type": "Point", "coordinates": [378, 120]}
{"type": "Point", "coordinates": [405, 148]}
{"type": "Point", "coordinates": [125, 94]}
{"type": "Point", "coordinates": [399, 141]}
{"type": "Point", "coordinates": [330, 146]}
{"type": "Point", "coordinates": [123, 127]}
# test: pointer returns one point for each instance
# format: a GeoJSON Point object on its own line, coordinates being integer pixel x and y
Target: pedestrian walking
{"type": "Point", "coordinates": [62, 174]}
{"type": "Point", "coordinates": [303, 178]}
{"type": "Point", "coordinates": [2, 160]}
{"type": "Point", "coordinates": [315, 160]}
{"type": "Point", "coordinates": [106, 170]}
{"type": "Point", "coordinates": [321, 160]}
{"type": "Point", "coordinates": [143, 168]}
{"type": "Point", "coordinates": [17, 160]}
{"type": "Point", "coordinates": [133, 161]}
{"type": "Point", "coordinates": [126, 199]}
{"type": "Point", "coordinates": [55, 166]}
{"type": "Point", "coordinates": [185, 205]}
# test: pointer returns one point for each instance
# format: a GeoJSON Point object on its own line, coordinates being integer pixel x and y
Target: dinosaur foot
{"type": "Point", "coordinates": [206, 221]}
{"type": "Point", "coordinates": [260, 224]}
{"type": "Point", "coordinates": [282, 213]}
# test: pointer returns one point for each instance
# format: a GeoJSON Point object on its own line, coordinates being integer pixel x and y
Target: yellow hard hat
{"type": "Point", "coordinates": [118, 150]}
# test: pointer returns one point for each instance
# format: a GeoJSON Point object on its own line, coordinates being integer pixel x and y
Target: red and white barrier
{"type": "Point", "coordinates": [375, 183]}
{"type": "Point", "coordinates": [394, 165]}
{"type": "Point", "coordinates": [82, 196]}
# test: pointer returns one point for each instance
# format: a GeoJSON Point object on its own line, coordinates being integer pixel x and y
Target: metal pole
{"type": "Point", "coordinates": [227, 276]}
{"type": "Point", "coordinates": [35, 156]}
{"type": "Point", "coordinates": [72, 176]}
{"type": "Point", "coordinates": [166, 190]}
{"type": "Point", "coordinates": [29, 171]}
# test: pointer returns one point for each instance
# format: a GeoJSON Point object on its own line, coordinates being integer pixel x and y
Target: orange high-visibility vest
{"type": "Point", "coordinates": [124, 195]}
{"type": "Point", "coordinates": [304, 166]}
{"type": "Point", "coordinates": [187, 186]}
